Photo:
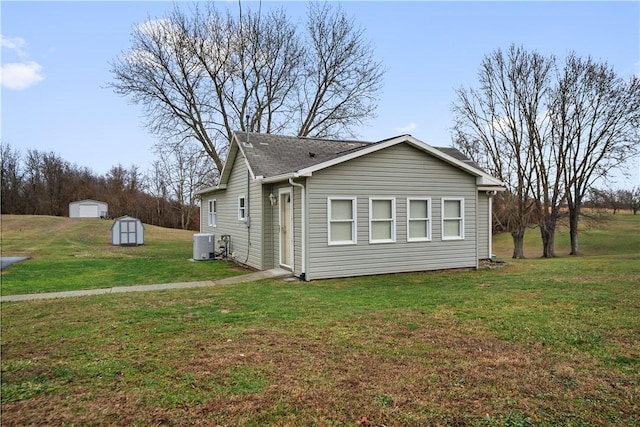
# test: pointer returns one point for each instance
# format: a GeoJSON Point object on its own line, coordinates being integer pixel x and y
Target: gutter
{"type": "Point", "coordinates": [282, 177]}
{"type": "Point", "coordinates": [303, 229]}
{"type": "Point", "coordinates": [210, 189]}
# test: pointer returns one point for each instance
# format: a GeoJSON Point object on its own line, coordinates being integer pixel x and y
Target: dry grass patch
{"type": "Point", "coordinates": [539, 342]}
{"type": "Point", "coordinates": [397, 368]}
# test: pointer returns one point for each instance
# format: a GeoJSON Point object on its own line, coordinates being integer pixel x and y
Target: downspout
{"type": "Point", "coordinates": [248, 218]}
{"type": "Point", "coordinates": [303, 230]}
{"type": "Point", "coordinates": [477, 233]}
{"type": "Point", "coordinates": [490, 215]}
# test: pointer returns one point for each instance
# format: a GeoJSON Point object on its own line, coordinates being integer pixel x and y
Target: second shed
{"type": "Point", "coordinates": [127, 230]}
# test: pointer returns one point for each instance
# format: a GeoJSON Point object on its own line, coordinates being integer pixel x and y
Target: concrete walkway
{"type": "Point", "coordinates": [276, 273]}
{"type": "Point", "coordinates": [6, 261]}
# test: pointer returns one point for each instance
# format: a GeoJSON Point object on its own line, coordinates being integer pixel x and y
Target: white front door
{"type": "Point", "coordinates": [286, 229]}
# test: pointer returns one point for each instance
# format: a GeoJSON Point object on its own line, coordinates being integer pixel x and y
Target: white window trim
{"type": "Point", "coordinates": [427, 219]}
{"type": "Point", "coordinates": [243, 209]}
{"type": "Point", "coordinates": [354, 222]}
{"type": "Point", "coordinates": [213, 213]}
{"type": "Point", "coordinates": [460, 219]}
{"type": "Point", "coordinates": [392, 219]}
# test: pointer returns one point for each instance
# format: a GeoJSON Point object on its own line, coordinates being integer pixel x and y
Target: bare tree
{"type": "Point", "coordinates": [156, 185]}
{"type": "Point", "coordinates": [123, 190]}
{"type": "Point", "coordinates": [596, 126]}
{"type": "Point", "coordinates": [341, 77]}
{"type": "Point", "coordinates": [198, 73]}
{"type": "Point", "coordinates": [549, 137]}
{"type": "Point", "coordinates": [635, 200]}
{"type": "Point", "coordinates": [497, 126]}
{"type": "Point", "coordinates": [10, 180]}
{"type": "Point", "coordinates": [181, 170]}
{"type": "Point", "coordinates": [161, 73]}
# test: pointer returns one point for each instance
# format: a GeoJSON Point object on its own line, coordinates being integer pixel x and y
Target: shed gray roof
{"type": "Point", "coordinates": [273, 155]}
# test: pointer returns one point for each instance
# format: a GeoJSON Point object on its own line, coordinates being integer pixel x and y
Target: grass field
{"type": "Point", "coordinates": [537, 342]}
{"type": "Point", "coordinates": [72, 253]}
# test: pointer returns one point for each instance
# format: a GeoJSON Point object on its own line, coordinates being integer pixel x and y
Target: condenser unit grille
{"type": "Point", "coordinates": [203, 246]}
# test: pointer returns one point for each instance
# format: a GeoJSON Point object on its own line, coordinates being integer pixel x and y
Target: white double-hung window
{"type": "Point", "coordinates": [452, 218]}
{"type": "Point", "coordinates": [213, 213]}
{"type": "Point", "coordinates": [341, 213]}
{"type": "Point", "coordinates": [382, 220]}
{"type": "Point", "coordinates": [242, 208]}
{"type": "Point", "coordinates": [418, 219]}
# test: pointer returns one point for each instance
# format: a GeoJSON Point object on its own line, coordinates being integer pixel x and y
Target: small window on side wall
{"type": "Point", "coordinates": [382, 220]}
{"type": "Point", "coordinates": [418, 219]}
{"type": "Point", "coordinates": [242, 208]}
{"type": "Point", "coordinates": [452, 219]}
{"type": "Point", "coordinates": [341, 223]}
{"type": "Point", "coordinates": [213, 213]}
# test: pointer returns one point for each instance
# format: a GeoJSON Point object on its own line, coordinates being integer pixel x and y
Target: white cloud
{"type": "Point", "coordinates": [15, 44]}
{"type": "Point", "coordinates": [408, 128]}
{"type": "Point", "coordinates": [20, 75]}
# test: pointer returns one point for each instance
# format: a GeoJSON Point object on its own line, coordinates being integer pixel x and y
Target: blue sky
{"type": "Point", "coordinates": [55, 65]}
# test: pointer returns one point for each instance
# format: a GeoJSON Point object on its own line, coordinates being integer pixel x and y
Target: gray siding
{"type": "Point", "coordinates": [271, 226]}
{"type": "Point", "coordinates": [484, 226]}
{"type": "Point", "coordinates": [246, 242]}
{"type": "Point", "coordinates": [400, 171]}
{"type": "Point", "coordinates": [297, 227]}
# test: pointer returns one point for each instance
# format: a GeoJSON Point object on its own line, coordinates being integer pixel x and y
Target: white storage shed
{"type": "Point", "coordinates": [127, 231]}
{"type": "Point", "coordinates": [88, 209]}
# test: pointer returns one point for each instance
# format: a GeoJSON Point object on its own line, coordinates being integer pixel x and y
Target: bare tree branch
{"type": "Point", "coordinates": [199, 72]}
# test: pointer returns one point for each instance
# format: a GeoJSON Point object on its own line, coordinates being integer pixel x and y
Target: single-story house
{"type": "Point", "coordinates": [334, 208]}
{"type": "Point", "coordinates": [88, 209]}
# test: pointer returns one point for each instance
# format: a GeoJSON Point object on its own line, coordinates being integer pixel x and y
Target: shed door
{"type": "Point", "coordinates": [128, 232]}
{"type": "Point", "coordinates": [286, 232]}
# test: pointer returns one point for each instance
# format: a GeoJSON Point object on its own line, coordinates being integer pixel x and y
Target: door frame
{"type": "Point", "coordinates": [287, 191]}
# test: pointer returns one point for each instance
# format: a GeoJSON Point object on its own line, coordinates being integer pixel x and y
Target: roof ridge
{"type": "Point", "coordinates": [311, 138]}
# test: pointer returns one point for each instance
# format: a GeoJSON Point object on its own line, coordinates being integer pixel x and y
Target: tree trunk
{"type": "Point", "coordinates": [574, 215]}
{"type": "Point", "coordinates": [518, 243]}
{"type": "Point", "coordinates": [548, 233]}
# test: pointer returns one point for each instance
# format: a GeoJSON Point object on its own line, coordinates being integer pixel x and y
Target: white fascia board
{"type": "Point", "coordinates": [211, 189]}
{"type": "Point", "coordinates": [205, 191]}
{"type": "Point", "coordinates": [488, 180]}
{"type": "Point", "coordinates": [491, 188]}
{"type": "Point", "coordinates": [283, 177]}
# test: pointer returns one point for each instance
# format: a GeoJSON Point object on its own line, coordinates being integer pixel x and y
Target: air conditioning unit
{"type": "Point", "coordinates": [203, 246]}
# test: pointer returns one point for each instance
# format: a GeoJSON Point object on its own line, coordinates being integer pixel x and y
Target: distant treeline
{"type": "Point", "coordinates": [41, 183]}
{"type": "Point", "coordinates": [614, 200]}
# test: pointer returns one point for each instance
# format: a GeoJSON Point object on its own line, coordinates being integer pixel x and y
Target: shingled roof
{"type": "Point", "coordinates": [457, 154]}
{"type": "Point", "coordinates": [276, 157]}
{"type": "Point", "coordinates": [273, 155]}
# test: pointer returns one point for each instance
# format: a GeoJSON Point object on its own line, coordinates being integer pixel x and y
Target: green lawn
{"type": "Point", "coordinates": [71, 254]}
{"type": "Point", "coordinates": [536, 342]}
